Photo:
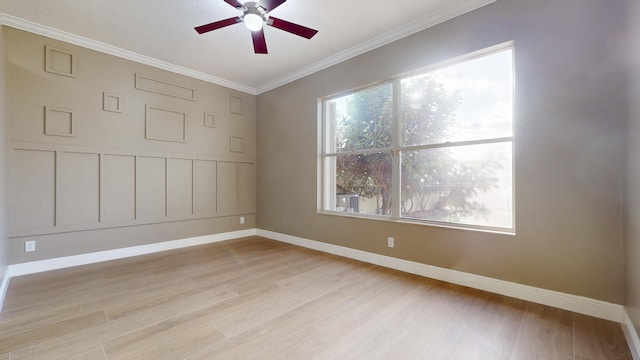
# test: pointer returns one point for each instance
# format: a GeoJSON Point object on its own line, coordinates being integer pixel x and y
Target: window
{"type": "Point", "coordinates": [435, 147]}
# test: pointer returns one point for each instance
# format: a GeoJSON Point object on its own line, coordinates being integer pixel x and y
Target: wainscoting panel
{"type": "Point", "coordinates": [34, 180]}
{"type": "Point", "coordinates": [151, 187]}
{"type": "Point", "coordinates": [227, 186]}
{"type": "Point", "coordinates": [60, 188]}
{"type": "Point", "coordinates": [247, 186]}
{"type": "Point", "coordinates": [179, 187]}
{"type": "Point", "coordinates": [205, 187]}
{"type": "Point", "coordinates": [118, 186]}
{"type": "Point", "coordinates": [78, 188]}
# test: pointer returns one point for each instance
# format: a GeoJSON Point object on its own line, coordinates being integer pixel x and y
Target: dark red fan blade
{"type": "Point", "coordinates": [296, 29]}
{"type": "Point", "coordinates": [259, 43]}
{"type": "Point", "coordinates": [218, 24]}
{"type": "Point", "coordinates": [235, 3]}
{"type": "Point", "coordinates": [269, 5]}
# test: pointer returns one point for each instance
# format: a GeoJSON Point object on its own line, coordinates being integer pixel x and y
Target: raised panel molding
{"type": "Point", "coordinates": [58, 121]}
{"type": "Point", "coordinates": [227, 186]}
{"type": "Point", "coordinates": [246, 186]}
{"type": "Point", "coordinates": [118, 188]}
{"type": "Point", "coordinates": [209, 120]}
{"type": "Point", "coordinates": [164, 87]}
{"type": "Point", "coordinates": [205, 187]}
{"type": "Point", "coordinates": [33, 178]}
{"type": "Point", "coordinates": [179, 187]}
{"type": "Point", "coordinates": [165, 124]}
{"type": "Point", "coordinates": [64, 188]}
{"type": "Point", "coordinates": [151, 187]}
{"type": "Point", "coordinates": [78, 188]}
{"type": "Point", "coordinates": [236, 144]}
{"type": "Point", "coordinates": [59, 62]}
{"type": "Point", "coordinates": [237, 105]}
{"type": "Point", "coordinates": [111, 102]}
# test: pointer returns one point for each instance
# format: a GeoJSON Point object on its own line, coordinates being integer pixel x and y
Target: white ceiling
{"type": "Point", "coordinates": [160, 33]}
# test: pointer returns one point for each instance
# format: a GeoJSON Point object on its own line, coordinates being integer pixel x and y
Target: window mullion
{"type": "Point", "coordinates": [396, 143]}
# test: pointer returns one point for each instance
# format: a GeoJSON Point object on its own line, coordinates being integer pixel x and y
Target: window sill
{"type": "Point", "coordinates": [497, 231]}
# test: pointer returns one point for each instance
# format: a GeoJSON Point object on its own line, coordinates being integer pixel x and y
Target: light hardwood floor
{"type": "Point", "coordinates": [259, 299]}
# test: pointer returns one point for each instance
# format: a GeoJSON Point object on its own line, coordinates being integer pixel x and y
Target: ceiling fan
{"type": "Point", "coordinates": [255, 15]}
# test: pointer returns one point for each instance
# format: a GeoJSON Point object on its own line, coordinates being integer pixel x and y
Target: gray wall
{"type": "Point", "coordinates": [569, 125]}
{"type": "Point", "coordinates": [106, 153]}
{"type": "Point", "coordinates": [632, 181]}
{"type": "Point", "coordinates": [3, 162]}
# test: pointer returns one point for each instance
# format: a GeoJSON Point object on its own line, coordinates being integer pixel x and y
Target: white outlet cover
{"type": "Point", "coordinates": [390, 242]}
{"type": "Point", "coordinates": [241, 219]}
{"type": "Point", "coordinates": [30, 246]}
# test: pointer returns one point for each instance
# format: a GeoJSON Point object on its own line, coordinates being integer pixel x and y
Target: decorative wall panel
{"type": "Point", "coordinates": [165, 124]}
{"type": "Point", "coordinates": [58, 121]}
{"type": "Point", "coordinates": [151, 187]}
{"type": "Point", "coordinates": [227, 186]}
{"type": "Point", "coordinates": [111, 102]}
{"type": "Point", "coordinates": [209, 120]}
{"type": "Point", "coordinates": [34, 179]}
{"type": "Point", "coordinates": [164, 87]}
{"type": "Point", "coordinates": [236, 105]}
{"type": "Point", "coordinates": [179, 187]}
{"type": "Point", "coordinates": [246, 186]}
{"type": "Point", "coordinates": [236, 144]}
{"type": "Point", "coordinates": [60, 62]}
{"type": "Point", "coordinates": [205, 187]}
{"type": "Point", "coordinates": [78, 188]}
{"type": "Point", "coordinates": [118, 187]}
{"type": "Point", "coordinates": [59, 188]}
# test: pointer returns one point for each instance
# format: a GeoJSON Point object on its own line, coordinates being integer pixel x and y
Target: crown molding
{"type": "Point", "coordinates": [454, 10]}
{"type": "Point", "coordinates": [26, 25]}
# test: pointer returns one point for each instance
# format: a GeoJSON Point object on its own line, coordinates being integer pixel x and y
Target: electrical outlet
{"type": "Point", "coordinates": [29, 246]}
{"type": "Point", "coordinates": [391, 242]}
{"type": "Point", "coordinates": [241, 219]}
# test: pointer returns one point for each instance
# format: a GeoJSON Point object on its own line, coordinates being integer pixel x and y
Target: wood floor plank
{"type": "Point", "coordinates": [171, 339]}
{"type": "Point", "coordinates": [599, 339]}
{"type": "Point", "coordinates": [255, 298]}
{"type": "Point", "coordinates": [92, 353]}
{"type": "Point", "coordinates": [11, 340]}
{"type": "Point", "coordinates": [545, 333]}
{"type": "Point", "coordinates": [492, 332]}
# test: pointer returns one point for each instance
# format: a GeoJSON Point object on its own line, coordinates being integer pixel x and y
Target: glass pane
{"type": "Point", "coordinates": [467, 101]}
{"type": "Point", "coordinates": [360, 121]}
{"type": "Point", "coordinates": [464, 185]}
{"type": "Point", "coordinates": [362, 183]}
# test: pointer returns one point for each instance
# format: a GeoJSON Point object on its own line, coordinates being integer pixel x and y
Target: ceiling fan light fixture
{"type": "Point", "coordinates": [253, 21]}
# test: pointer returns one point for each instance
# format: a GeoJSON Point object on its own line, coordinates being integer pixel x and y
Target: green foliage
{"type": "Point", "coordinates": [434, 185]}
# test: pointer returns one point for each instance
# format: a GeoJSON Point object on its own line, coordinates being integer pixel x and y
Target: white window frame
{"type": "Point", "coordinates": [326, 179]}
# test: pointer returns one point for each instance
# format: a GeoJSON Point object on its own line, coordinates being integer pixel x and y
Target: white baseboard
{"type": "Point", "coordinates": [631, 334]}
{"type": "Point", "coordinates": [579, 304]}
{"type": "Point", "coordinates": [90, 258]}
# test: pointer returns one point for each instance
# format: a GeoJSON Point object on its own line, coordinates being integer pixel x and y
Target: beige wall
{"type": "Point", "coordinates": [632, 180]}
{"type": "Point", "coordinates": [3, 163]}
{"type": "Point", "coordinates": [84, 179]}
{"type": "Point", "coordinates": [570, 119]}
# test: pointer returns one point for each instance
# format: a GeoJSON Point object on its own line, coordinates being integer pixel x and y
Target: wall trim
{"type": "Point", "coordinates": [575, 303]}
{"type": "Point", "coordinates": [53, 33]}
{"type": "Point", "coordinates": [452, 11]}
{"type": "Point", "coordinates": [631, 334]}
{"type": "Point", "coordinates": [579, 304]}
{"type": "Point", "coordinates": [435, 18]}
{"type": "Point", "coordinates": [100, 256]}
